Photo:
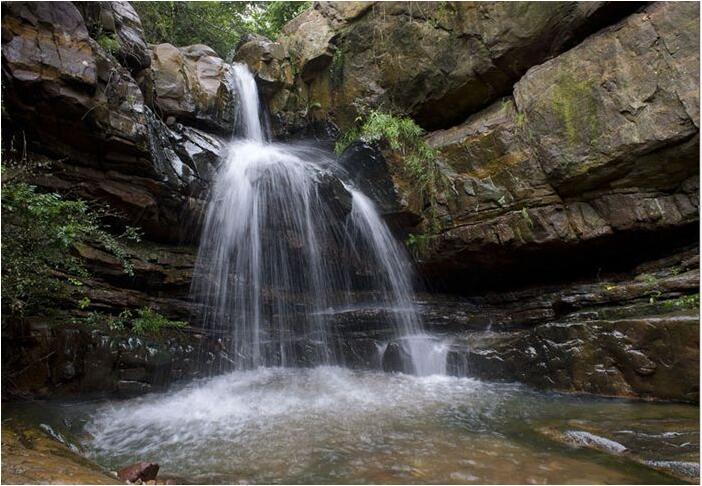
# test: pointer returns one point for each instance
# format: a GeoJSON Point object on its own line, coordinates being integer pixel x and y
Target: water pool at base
{"type": "Point", "coordinates": [335, 425]}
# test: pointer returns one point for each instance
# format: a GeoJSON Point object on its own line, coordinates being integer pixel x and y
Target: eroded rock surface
{"type": "Point", "coordinates": [435, 61]}
{"type": "Point", "coordinates": [29, 456]}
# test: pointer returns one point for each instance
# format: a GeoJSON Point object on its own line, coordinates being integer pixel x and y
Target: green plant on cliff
{"type": "Point", "coordinates": [109, 42]}
{"type": "Point", "coordinates": [336, 69]}
{"type": "Point", "coordinates": [682, 303]}
{"type": "Point", "coordinates": [403, 136]}
{"type": "Point", "coordinates": [39, 235]}
{"type": "Point", "coordinates": [146, 322]}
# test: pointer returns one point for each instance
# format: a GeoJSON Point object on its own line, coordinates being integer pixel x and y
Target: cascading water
{"type": "Point", "coordinates": [271, 259]}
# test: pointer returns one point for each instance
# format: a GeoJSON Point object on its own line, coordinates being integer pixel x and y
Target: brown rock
{"type": "Point", "coordinates": [140, 471]}
{"type": "Point", "coordinates": [269, 61]}
{"type": "Point", "coordinates": [190, 84]}
{"type": "Point", "coordinates": [531, 183]}
{"type": "Point", "coordinates": [438, 61]}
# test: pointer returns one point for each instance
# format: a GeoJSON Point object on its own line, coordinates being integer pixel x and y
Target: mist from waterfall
{"type": "Point", "coordinates": [279, 249]}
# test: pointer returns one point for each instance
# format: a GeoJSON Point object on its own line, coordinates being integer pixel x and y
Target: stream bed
{"type": "Point", "coordinates": [336, 425]}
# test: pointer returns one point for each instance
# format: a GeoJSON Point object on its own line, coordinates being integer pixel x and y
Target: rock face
{"type": "Point", "coordinates": [576, 161]}
{"type": "Point", "coordinates": [75, 102]}
{"type": "Point", "coordinates": [192, 85]}
{"type": "Point", "coordinates": [437, 62]}
{"type": "Point", "coordinates": [70, 99]}
{"type": "Point", "coordinates": [633, 334]}
{"type": "Point", "coordinates": [48, 356]}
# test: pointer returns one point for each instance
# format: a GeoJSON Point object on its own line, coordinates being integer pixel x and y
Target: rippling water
{"type": "Point", "coordinates": [334, 425]}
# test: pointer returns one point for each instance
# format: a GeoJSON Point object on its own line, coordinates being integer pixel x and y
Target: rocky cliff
{"type": "Point", "coordinates": [101, 116]}
{"type": "Point", "coordinates": [567, 141]}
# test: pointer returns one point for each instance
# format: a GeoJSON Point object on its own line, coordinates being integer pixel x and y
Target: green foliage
{"type": "Point", "coordinates": [681, 303]}
{"type": "Point", "coordinates": [270, 17]}
{"type": "Point", "coordinates": [39, 234]}
{"type": "Point", "coordinates": [418, 245]}
{"type": "Point", "coordinates": [404, 136]}
{"type": "Point", "coordinates": [336, 70]}
{"type": "Point", "coordinates": [147, 322]}
{"type": "Point", "coordinates": [219, 25]}
{"type": "Point", "coordinates": [109, 42]}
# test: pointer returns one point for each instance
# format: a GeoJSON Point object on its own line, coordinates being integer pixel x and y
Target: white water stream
{"type": "Point", "coordinates": [268, 267]}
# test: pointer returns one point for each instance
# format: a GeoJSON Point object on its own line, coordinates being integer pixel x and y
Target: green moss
{"type": "Point", "coordinates": [336, 70]}
{"type": "Point", "coordinates": [527, 218]}
{"type": "Point", "coordinates": [575, 104]}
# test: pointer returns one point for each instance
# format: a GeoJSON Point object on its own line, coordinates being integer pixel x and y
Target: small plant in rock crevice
{"type": "Point", "coordinates": [109, 43]}
{"type": "Point", "coordinates": [403, 136]}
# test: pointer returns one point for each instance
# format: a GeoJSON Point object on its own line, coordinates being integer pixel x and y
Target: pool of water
{"type": "Point", "coordinates": [335, 425]}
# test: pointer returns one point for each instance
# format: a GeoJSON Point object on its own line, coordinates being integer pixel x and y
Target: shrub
{"type": "Point", "coordinates": [148, 321]}
{"type": "Point", "coordinates": [40, 231]}
{"type": "Point", "coordinates": [402, 135]}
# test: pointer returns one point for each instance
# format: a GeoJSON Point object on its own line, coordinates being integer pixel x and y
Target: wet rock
{"type": "Point", "coordinates": [30, 456]}
{"type": "Point", "coordinates": [586, 439]}
{"type": "Point", "coordinates": [397, 359]}
{"type": "Point", "coordinates": [140, 471]}
{"type": "Point", "coordinates": [370, 173]}
{"type": "Point", "coordinates": [601, 357]}
{"type": "Point", "coordinates": [670, 445]}
{"type": "Point", "coordinates": [269, 61]}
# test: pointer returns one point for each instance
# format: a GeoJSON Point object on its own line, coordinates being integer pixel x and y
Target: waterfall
{"type": "Point", "coordinates": [269, 263]}
{"type": "Point", "coordinates": [249, 118]}
{"type": "Point", "coordinates": [393, 276]}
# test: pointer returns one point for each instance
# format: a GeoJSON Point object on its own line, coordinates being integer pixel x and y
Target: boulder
{"type": "Point", "coordinates": [193, 85]}
{"type": "Point", "coordinates": [140, 471]}
{"type": "Point", "coordinates": [396, 359]}
{"type": "Point", "coordinates": [269, 61]}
